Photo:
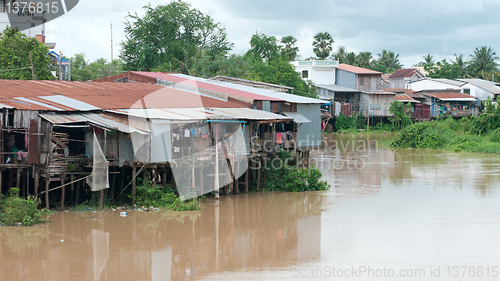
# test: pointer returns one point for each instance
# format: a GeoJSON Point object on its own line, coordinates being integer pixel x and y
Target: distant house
{"type": "Point", "coordinates": [317, 71]}
{"type": "Point", "coordinates": [456, 104]}
{"type": "Point", "coordinates": [436, 84]}
{"type": "Point", "coordinates": [358, 78]}
{"type": "Point", "coordinates": [401, 78]}
{"type": "Point", "coordinates": [481, 89]}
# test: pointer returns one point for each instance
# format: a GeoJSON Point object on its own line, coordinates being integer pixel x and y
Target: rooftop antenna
{"type": "Point", "coordinates": [445, 47]}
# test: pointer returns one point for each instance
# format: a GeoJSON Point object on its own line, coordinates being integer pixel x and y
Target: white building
{"type": "Point", "coordinates": [436, 84]}
{"type": "Point", "coordinates": [481, 89]}
{"type": "Point", "coordinates": [317, 71]}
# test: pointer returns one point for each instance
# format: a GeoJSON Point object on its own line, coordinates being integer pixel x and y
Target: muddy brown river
{"type": "Point", "coordinates": [390, 215]}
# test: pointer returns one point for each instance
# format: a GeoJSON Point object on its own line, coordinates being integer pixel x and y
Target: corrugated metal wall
{"type": "Point", "coordinates": [309, 134]}
{"type": "Point", "coordinates": [346, 79]}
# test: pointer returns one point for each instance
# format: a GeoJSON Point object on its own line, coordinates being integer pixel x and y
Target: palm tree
{"type": "Point", "coordinates": [428, 60]}
{"type": "Point", "coordinates": [340, 54]}
{"type": "Point", "coordinates": [322, 44]}
{"type": "Point", "coordinates": [289, 51]}
{"type": "Point", "coordinates": [461, 63]}
{"type": "Point", "coordinates": [389, 61]}
{"type": "Point", "coordinates": [364, 59]}
{"type": "Point", "coordinates": [483, 61]}
{"type": "Point", "coordinates": [350, 58]}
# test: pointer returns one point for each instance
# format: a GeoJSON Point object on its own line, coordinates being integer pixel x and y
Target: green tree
{"type": "Point", "coordinates": [350, 58]}
{"type": "Point", "coordinates": [461, 63]}
{"type": "Point", "coordinates": [483, 62]}
{"type": "Point", "coordinates": [322, 45]}
{"type": "Point", "coordinates": [289, 50]}
{"type": "Point", "coordinates": [168, 37]}
{"type": "Point", "coordinates": [443, 69]}
{"type": "Point", "coordinates": [400, 114]}
{"type": "Point", "coordinates": [82, 70]}
{"type": "Point", "coordinates": [340, 55]}
{"type": "Point", "coordinates": [268, 65]}
{"type": "Point", "coordinates": [232, 66]}
{"type": "Point", "coordinates": [15, 48]}
{"type": "Point", "coordinates": [387, 62]}
{"type": "Point", "coordinates": [364, 59]}
{"type": "Point", "coordinates": [428, 60]}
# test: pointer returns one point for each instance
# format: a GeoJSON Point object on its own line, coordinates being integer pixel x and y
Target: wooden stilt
{"type": "Point", "coordinates": [77, 196]}
{"type": "Point", "coordinates": [72, 188]}
{"type": "Point", "coordinates": [133, 184]}
{"type": "Point", "coordinates": [47, 184]}
{"type": "Point", "coordinates": [37, 182]}
{"type": "Point", "coordinates": [113, 182]}
{"type": "Point", "coordinates": [18, 181]}
{"type": "Point", "coordinates": [122, 182]}
{"type": "Point", "coordinates": [259, 167]}
{"type": "Point", "coordinates": [101, 198]}
{"type": "Point", "coordinates": [63, 191]}
{"type": "Point", "coordinates": [201, 180]}
{"type": "Point", "coordinates": [226, 189]}
{"type": "Point", "coordinates": [247, 179]}
{"type": "Point", "coordinates": [236, 186]}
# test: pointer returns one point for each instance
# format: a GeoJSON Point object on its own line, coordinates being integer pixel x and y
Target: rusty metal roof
{"type": "Point", "coordinates": [451, 96]}
{"type": "Point", "coordinates": [84, 96]}
{"type": "Point", "coordinates": [405, 98]}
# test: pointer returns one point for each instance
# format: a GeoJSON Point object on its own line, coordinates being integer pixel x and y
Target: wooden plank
{"type": "Point", "coordinates": [33, 150]}
{"type": "Point", "coordinates": [58, 142]}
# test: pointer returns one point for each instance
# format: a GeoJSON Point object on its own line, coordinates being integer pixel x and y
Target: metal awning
{"type": "Point", "coordinates": [297, 117]}
{"type": "Point", "coordinates": [90, 118]}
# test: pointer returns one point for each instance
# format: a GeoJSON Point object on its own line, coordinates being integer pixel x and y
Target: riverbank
{"type": "Point", "coordinates": [464, 135]}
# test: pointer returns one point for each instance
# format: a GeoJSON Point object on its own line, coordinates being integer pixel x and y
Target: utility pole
{"type": "Point", "coordinates": [111, 42]}
{"type": "Point", "coordinates": [60, 66]}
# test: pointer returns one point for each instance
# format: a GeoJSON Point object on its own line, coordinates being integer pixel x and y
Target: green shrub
{"type": "Point", "coordinates": [282, 176]}
{"type": "Point", "coordinates": [15, 210]}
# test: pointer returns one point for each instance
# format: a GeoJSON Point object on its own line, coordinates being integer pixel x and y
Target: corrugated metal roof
{"type": "Point", "coordinates": [405, 98]}
{"type": "Point", "coordinates": [402, 73]}
{"type": "Point", "coordinates": [447, 81]}
{"type": "Point", "coordinates": [357, 70]}
{"type": "Point", "coordinates": [337, 88]}
{"type": "Point", "coordinates": [297, 117]}
{"type": "Point", "coordinates": [207, 85]}
{"type": "Point", "coordinates": [81, 96]}
{"type": "Point", "coordinates": [489, 86]}
{"type": "Point", "coordinates": [248, 114]}
{"type": "Point", "coordinates": [195, 114]}
{"type": "Point", "coordinates": [451, 96]}
{"type": "Point", "coordinates": [91, 118]}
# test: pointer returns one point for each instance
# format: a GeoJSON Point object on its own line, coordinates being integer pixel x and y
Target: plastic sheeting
{"type": "Point", "coordinates": [99, 179]}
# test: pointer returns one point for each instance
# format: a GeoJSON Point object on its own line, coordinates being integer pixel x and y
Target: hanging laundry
{"type": "Point", "coordinates": [193, 133]}
{"type": "Point", "coordinates": [279, 140]}
{"type": "Point", "coordinates": [187, 133]}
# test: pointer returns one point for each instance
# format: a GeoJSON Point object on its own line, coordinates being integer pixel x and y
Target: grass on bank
{"type": "Point", "coordinates": [19, 211]}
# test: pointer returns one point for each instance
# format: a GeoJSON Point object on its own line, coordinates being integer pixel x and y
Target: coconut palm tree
{"type": "Point", "coordinates": [428, 60]}
{"type": "Point", "coordinates": [483, 62]}
{"type": "Point", "coordinates": [364, 59]}
{"type": "Point", "coordinates": [388, 61]}
{"type": "Point", "coordinates": [461, 63]}
{"type": "Point", "coordinates": [322, 44]}
{"type": "Point", "coordinates": [340, 54]}
{"type": "Point", "coordinates": [350, 58]}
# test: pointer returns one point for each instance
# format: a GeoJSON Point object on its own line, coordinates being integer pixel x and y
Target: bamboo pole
{"type": "Point", "coordinates": [47, 184]}
{"type": "Point", "coordinates": [133, 184]}
{"type": "Point", "coordinates": [63, 191]}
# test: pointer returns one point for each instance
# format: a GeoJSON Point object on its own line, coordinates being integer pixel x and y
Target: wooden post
{"type": "Point", "coordinates": [259, 167]}
{"type": "Point", "coordinates": [122, 182]}
{"type": "Point", "coordinates": [216, 181]}
{"type": "Point", "coordinates": [47, 184]}
{"type": "Point", "coordinates": [18, 182]}
{"type": "Point", "coordinates": [133, 184]}
{"type": "Point", "coordinates": [101, 199]}
{"type": "Point", "coordinates": [201, 180]}
{"type": "Point", "coordinates": [113, 182]}
{"type": "Point", "coordinates": [77, 196]}
{"type": "Point", "coordinates": [236, 186]}
{"type": "Point", "coordinates": [247, 179]}
{"type": "Point", "coordinates": [63, 191]}
{"type": "Point", "coordinates": [72, 188]}
{"type": "Point", "coordinates": [37, 181]}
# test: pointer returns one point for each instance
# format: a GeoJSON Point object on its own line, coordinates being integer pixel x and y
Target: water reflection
{"type": "Point", "coordinates": [245, 232]}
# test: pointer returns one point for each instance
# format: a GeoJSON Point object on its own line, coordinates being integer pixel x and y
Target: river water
{"type": "Point", "coordinates": [390, 215]}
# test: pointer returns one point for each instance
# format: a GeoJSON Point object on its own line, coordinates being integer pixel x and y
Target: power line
{"type": "Point", "coordinates": [15, 69]}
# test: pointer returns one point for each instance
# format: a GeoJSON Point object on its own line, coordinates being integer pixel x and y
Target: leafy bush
{"type": "Point", "coordinates": [15, 210]}
{"type": "Point", "coordinates": [281, 176]}
{"type": "Point", "coordinates": [159, 196]}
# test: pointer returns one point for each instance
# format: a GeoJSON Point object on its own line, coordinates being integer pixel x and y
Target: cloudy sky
{"type": "Point", "coordinates": [409, 28]}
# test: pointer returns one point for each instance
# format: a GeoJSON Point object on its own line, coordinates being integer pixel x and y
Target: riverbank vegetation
{"type": "Point", "coordinates": [281, 175]}
{"type": "Point", "coordinates": [468, 134]}
{"type": "Point", "coordinates": [15, 210]}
